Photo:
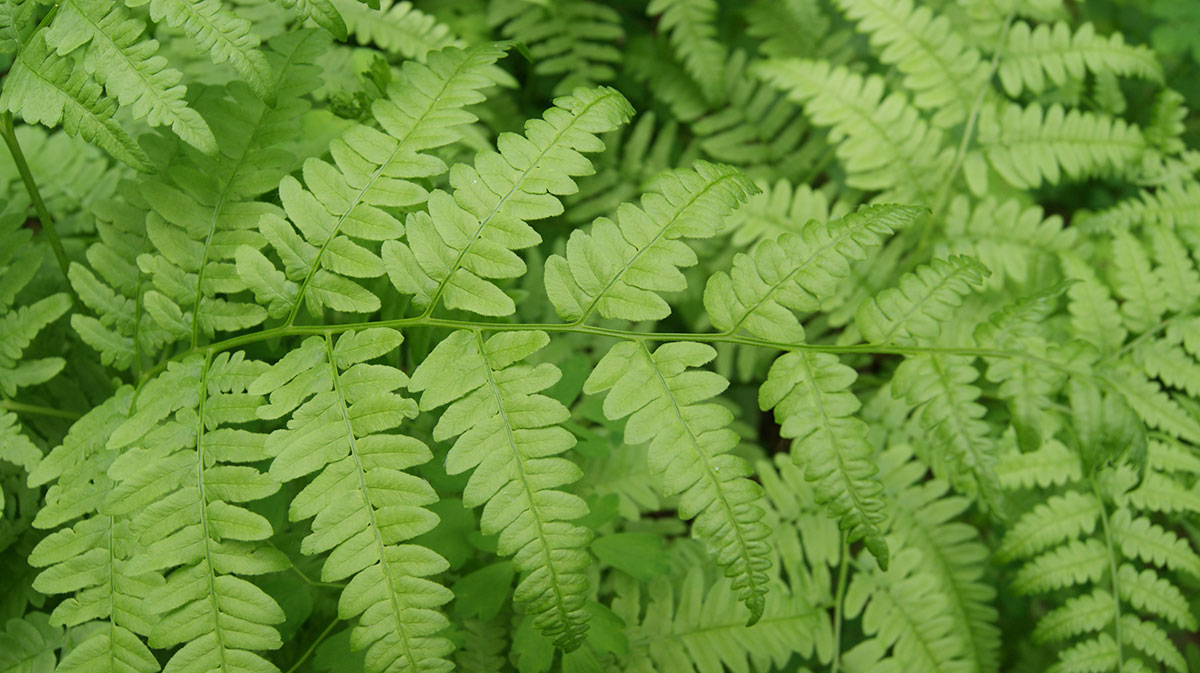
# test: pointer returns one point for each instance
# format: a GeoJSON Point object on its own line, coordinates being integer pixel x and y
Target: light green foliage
{"type": "Point", "coordinates": [509, 435]}
{"type": "Point", "coordinates": [689, 445]}
{"type": "Point", "coordinates": [617, 268]}
{"type": "Point", "coordinates": [567, 336]}
{"type": "Point", "coordinates": [366, 506]}
{"type": "Point", "coordinates": [467, 239]}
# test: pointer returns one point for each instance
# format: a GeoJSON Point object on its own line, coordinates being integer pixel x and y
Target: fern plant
{"type": "Point", "coordinates": [509, 335]}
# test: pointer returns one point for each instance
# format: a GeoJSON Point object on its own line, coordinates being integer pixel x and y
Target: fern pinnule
{"type": "Point", "coordinates": [619, 266]}
{"type": "Point", "coordinates": [365, 506]}
{"type": "Point", "coordinates": [510, 437]}
{"type": "Point", "coordinates": [941, 69]}
{"type": "Point", "coordinates": [185, 501]}
{"type": "Point", "coordinates": [690, 445]}
{"type": "Point", "coordinates": [45, 88]}
{"type": "Point", "coordinates": [467, 240]}
{"type": "Point", "coordinates": [1035, 54]}
{"type": "Point", "coordinates": [796, 272]}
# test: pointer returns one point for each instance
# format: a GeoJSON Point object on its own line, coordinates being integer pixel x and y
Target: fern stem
{"type": "Point", "coordinates": [313, 646]}
{"type": "Point", "coordinates": [629, 335]}
{"type": "Point", "coordinates": [838, 601]}
{"type": "Point", "coordinates": [47, 222]}
{"type": "Point", "coordinates": [1112, 565]}
{"type": "Point", "coordinates": [38, 410]}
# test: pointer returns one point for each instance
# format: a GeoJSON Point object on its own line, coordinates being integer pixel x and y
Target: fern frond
{"type": "Point", "coordinates": [483, 647]}
{"type": "Point", "coordinates": [692, 30]}
{"type": "Point", "coordinates": [900, 608]}
{"type": "Point", "coordinates": [653, 63]}
{"type": "Point", "coordinates": [810, 393]}
{"type": "Point", "coordinates": [1017, 244]}
{"type": "Point", "coordinates": [466, 241]}
{"type": "Point", "coordinates": [511, 439]}
{"type": "Point", "coordinates": [941, 70]}
{"type": "Point", "coordinates": [29, 644]}
{"type": "Point", "coordinates": [44, 88]}
{"type": "Point", "coordinates": [777, 209]}
{"type": "Point", "coordinates": [1143, 296]}
{"type": "Point", "coordinates": [1051, 52]}
{"type": "Point", "coordinates": [344, 204]}
{"type": "Point", "coordinates": [1052, 464]}
{"type": "Point", "coordinates": [619, 267]}
{"type": "Point", "coordinates": [689, 452]}
{"type": "Point", "coordinates": [396, 27]}
{"type": "Point", "coordinates": [757, 128]}
{"type": "Point", "coordinates": [121, 332]}
{"type": "Point", "coordinates": [924, 516]}
{"type": "Point", "coordinates": [882, 141]}
{"type": "Point", "coordinates": [778, 23]}
{"type": "Point", "coordinates": [184, 500]}
{"type": "Point", "coordinates": [573, 41]}
{"type": "Point", "coordinates": [696, 628]}
{"type": "Point", "coordinates": [195, 218]}
{"type": "Point", "coordinates": [367, 507]}
{"type": "Point", "coordinates": [1033, 145]}
{"type": "Point", "coordinates": [1058, 519]}
{"type": "Point", "coordinates": [1090, 536]}
{"type": "Point", "coordinates": [796, 272]}
{"type": "Point", "coordinates": [1095, 316]}
{"type": "Point", "coordinates": [17, 329]}
{"type": "Point", "coordinates": [226, 37]}
{"type": "Point", "coordinates": [129, 67]}
{"type": "Point", "coordinates": [914, 311]}
{"type": "Point", "coordinates": [1175, 205]}
{"type": "Point", "coordinates": [323, 12]}
{"type": "Point", "coordinates": [633, 157]}
{"type": "Point", "coordinates": [91, 558]}
{"type": "Point", "coordinates": [1176, 270]}
{"type": "Point", "coordinates": [960, 447]}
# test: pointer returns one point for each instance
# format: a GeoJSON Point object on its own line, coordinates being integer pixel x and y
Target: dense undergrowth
{"type": "Point", "coordinates": [680, 335]}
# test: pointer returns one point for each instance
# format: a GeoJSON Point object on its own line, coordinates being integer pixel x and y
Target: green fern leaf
{"type": "Point", "coordinates": [28, 645]}
{"type": "Point", "coordinates": [941, 70]}
{"type": "Point", "coordinates": [914, 311]}
{"type": "Point", "coordinates": [810, 393]}
{"type": "Point", "coordinates": [940, 388]}
{"type": "Point", "coordinates": [690, 24]}
{"type": "Point", "coordinates": [573, 41]}
{"type": "Point", "coordinates": [777, 209]}
{"type": "Point", "coordinates": [882, 141]}
{"type": "Point", "coordinates": [695, 628]}
{"type": "Point", "coordinates": [323, 12]}
{"type": "Point", "coordinates": [901, 610]}
{"type": "Point", "coordinates": [129, 68]}
{"type": "Point", "coordinates": [44, 88]}
{"type": "Point", "coordinates": [184, 501]}
{"type": "Point", "coordinates": [1050, 51]}
{"type": "Point", "coordinates": [796, 272]}
{"type": "Point", "coordinates": [375, 170]}
{"type": "Point", "coordinates": [465, 241]}
{"type": "Point", "coordinates": [511, 438]}
{"type": "Point", "coordinates": [689, 452]}
{"type": "Point", "coordinates": [924, 516]}
{"type": "Point", "coordinates": [396, 27]}
{"type": "Point", "coordinates": [366, 506]}
{"type": "Point", "coordinates": [1144, 297]}
{"type": "Point", "coordinates": [1033, 145]}
{"type": "Point", "coordinates": [226, 37]}
{"type": "Point", "coordinates": [619, 267]}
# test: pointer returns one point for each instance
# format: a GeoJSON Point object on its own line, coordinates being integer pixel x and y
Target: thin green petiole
{"type": "Point", "coordinates": [39, 206]}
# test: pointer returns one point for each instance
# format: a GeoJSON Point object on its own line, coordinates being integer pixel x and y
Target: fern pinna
{"type": "Point", "coordinates": [686, 335]}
